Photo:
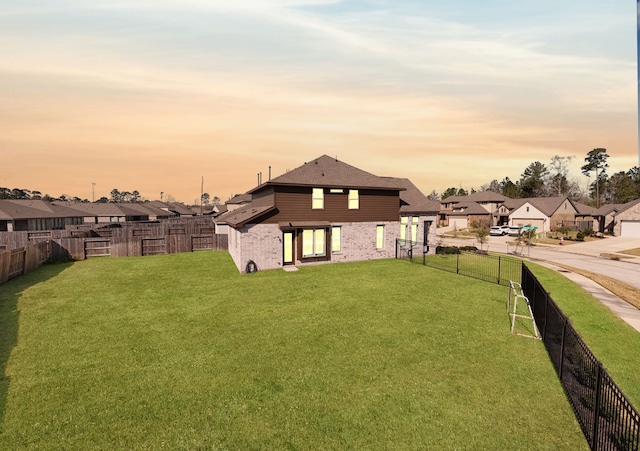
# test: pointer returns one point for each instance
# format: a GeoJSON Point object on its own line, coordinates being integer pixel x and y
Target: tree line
{"type": "Point", "coordinates": [537, 180]}
{"type": "Point", "coordinates": [540, 180]}
{"type": "Point", "coordinates": [115, 196]}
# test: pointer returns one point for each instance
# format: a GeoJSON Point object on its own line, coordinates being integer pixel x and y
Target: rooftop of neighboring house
{"type": "Point", "coordinates": [616, 208]}
{"type": "Point", "coordinates": [585, 210]}
{"type": "Point", "coordinates": [174, 207]}
{"type": "Point", "coordinates": [467, 208]}
{"type": "Point", "coordinates": [35, 209]}
{"type": "Point", "coordinates": [547, 205]}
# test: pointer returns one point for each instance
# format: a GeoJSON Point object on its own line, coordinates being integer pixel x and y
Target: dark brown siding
{"type": "Point", "coordinates": [294, 204]}
{"type": "Point", "coordinates": [263, 198]}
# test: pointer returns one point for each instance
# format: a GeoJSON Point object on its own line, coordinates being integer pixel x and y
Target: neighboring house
{"type": "Point", "coordinates": [545, 213]}
{"type": "Point", "coordinates": [627, 220]}
{"type": "Point", "coordinates": [101, 213]}
{"type": "Point", "coordinates": [467, 214]}
{"type": "Point", "coordinates": [619, 219]}
{"type": "Point", "coordinates": [176, 209]}
{"type": "Point", "coordinates": [461, 212]}
{"type": "Point", "coordinates": [325, 211]}
{"type": "Point", "coordinates": [29, 215]}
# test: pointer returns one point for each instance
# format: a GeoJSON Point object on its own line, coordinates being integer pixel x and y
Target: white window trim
{"type": "Point", "coordinates": [354, 199]}
{"type": "Point", "coordinates": [318, 249]}
{"type": "Point", "coordinates": [380, 235]}
{"type": "Point", "coordinates": [317, 198]}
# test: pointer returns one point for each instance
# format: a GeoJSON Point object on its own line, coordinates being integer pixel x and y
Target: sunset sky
{"type": "Point", "coordinates": [152, 95]}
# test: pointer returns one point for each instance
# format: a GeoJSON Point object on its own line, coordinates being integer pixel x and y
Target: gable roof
{"type": "Point", "coordinates": [469, 208]}
{"type": "Point", "coordinates": [628, 205]}
{"type": "Point", "coordinates": [412, 200]}
{"type": "Point", "coordinates": [546, 205]}
{"type": "Point", "coordinates": [328, 172]}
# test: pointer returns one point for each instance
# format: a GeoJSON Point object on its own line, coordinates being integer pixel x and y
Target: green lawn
{"type": "Point", "coordinates": [615, 343]}
{"type": "Point", "coordinates": [181, 351]}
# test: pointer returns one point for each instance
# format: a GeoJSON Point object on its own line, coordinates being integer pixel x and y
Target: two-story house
{"type": "Point", "coordinates": [327, 211]}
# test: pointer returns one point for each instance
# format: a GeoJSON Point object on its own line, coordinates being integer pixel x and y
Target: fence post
{"type": "Point", "coordinates": [457, 263]}
{"type": "Point", "coordinates": [546, 314]}
{"type": "Point", "coordinates": [564, 335]}
{"type": "Point", "coordinates": [596, 412]}
{"type": "Point", "coordinates": [499, 261]}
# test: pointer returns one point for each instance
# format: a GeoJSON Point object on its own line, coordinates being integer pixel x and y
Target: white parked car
{"type": "Point", "coordinates": [515, 230]}
{"type": "Point", "coordinates": [498, 230]}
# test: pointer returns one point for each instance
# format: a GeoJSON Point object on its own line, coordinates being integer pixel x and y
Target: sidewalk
{"type": "Point", "coordinates": [620, 308]}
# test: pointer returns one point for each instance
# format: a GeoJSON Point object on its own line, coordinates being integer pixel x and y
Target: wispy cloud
{"type": "Point", "coordinates": [355, 78]}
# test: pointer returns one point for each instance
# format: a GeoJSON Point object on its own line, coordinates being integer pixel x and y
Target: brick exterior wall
{"type": "Point", "coordinates": [359, 241]}
{"type": "Point", "coordinates": [262, 243]}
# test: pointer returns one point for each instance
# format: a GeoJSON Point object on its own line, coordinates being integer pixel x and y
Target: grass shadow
{"type": "Point", "coordinates": [10, 293]}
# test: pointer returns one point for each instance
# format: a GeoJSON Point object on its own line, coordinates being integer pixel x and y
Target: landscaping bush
{"type": "Point", "coordinates": [447, 250]}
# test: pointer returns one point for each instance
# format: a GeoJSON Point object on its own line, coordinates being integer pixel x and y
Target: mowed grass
{"type": "Point", "coordinates": [182, 352]}
{"type": "Point", "coordinates": [614, 342]}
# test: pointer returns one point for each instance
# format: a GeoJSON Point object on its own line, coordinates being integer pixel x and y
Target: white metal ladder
{"type": "Point", "coordinates": [516, 293]}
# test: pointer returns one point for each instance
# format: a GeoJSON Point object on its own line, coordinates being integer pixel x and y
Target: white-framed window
{"type": "Point", "coordinates": [318, 199]}
{"type": "Point", "coordinates": [403, 228]}
{"type": "Point", "coordinates": [313, 242]}
{"type": "Point", "coordinates": [354, 199]}
{"type": "Point", "coordinates": [336, 239]}
{"type": "Point", "coordinates": [380, 237]}
{"type": "Point", "coordinates": [414, 230]}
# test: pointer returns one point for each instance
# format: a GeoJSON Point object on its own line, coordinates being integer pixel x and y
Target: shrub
{"type": "Point", "coordinates": [447, 250]}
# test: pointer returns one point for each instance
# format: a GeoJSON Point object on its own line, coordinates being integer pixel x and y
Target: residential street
{"type": "Point", "coordinates": [583, 256]}
{"type": "Point", "coordinates": [579, 255]}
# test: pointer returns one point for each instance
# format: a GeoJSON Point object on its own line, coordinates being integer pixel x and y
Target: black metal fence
{"type": "Point", "coordinates": [606, 416]}
{"type": "Point", "coordinates": [466, 261]}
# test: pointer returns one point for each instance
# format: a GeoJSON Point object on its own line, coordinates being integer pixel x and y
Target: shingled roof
{"type": "Point", "coordinates": [329, 172]}
{"type": "Point", "coordinates": [412, 200]}
{"type": "Point", "coordinates": [35, 209]}
{"type": "Point", "coordinates": [547, 205]}
{"type": "Point", "coordinates": [243, 215]}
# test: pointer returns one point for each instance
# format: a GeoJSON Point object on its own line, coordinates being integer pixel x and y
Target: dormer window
{"type": "Point", "coordinates": [317, 202]}
{"type": "Point", "coordinates": [354, 199]}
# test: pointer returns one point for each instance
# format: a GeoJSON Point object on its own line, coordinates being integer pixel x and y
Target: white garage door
{"type": "Point", "coordinates": [458, 223]}
{"type": "Point", "coordinates": [630, 229]}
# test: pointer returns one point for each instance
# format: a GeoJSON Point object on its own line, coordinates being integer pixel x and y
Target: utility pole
{"type": "Point", "coordinates": [93, 191]}
{"type": "Point", "coordinates": [201, 194]}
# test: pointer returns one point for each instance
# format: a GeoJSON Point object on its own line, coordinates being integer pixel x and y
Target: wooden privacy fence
{"type": "Point", "coordinates": [21, 252]}
{"type": "Point", "coordinates": [15, 262]}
